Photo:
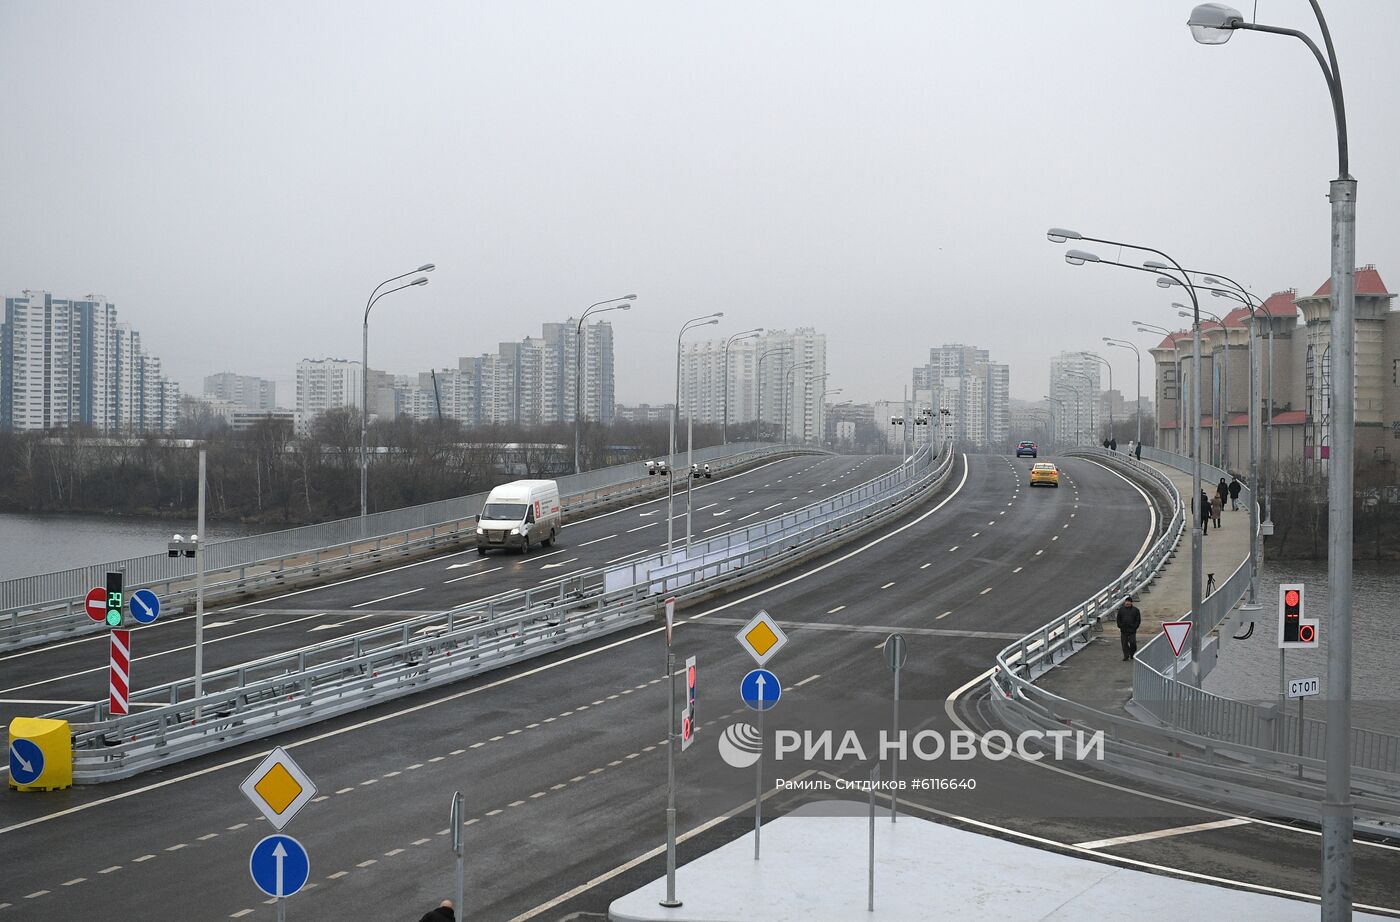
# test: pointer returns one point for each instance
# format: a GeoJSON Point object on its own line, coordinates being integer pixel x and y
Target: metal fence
{"type": "Point", "coordinates": [291, 689]}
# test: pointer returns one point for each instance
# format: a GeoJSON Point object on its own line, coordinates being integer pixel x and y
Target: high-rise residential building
{"type": "Point", "coordinates": [778, 377]}
{"type": "Point", "coordinates": [968, 393]}
{"type": "Point", "coordinates": [244, 390]}
{"type": "Point", "coordinates": [1074, 383]}
{"type": "Point", "coordinates": [70, 363]}
{"type": "Point", "coordinates": [326, 384]}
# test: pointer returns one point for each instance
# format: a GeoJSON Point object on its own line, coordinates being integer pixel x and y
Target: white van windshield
{"type": "Point", "coordinates": [507, 512]}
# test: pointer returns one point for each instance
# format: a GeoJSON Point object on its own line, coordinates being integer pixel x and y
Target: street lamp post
{"type": "Point", "coordinates": [598, 307]}
{"type": "Point", "coordinates": [787, 376]}
{"type": "Point", "coordinates": [1103, 361]}
{"type": "Point", "coordinates": [1079, 258]}
{"type": "Point", "coordinates": [704, 321]}
{"type": "Point", "coordinates": [1213, 24]}
{"type": "Point", "coordinates": [1220, 406]}
{"type": "Point", "coordinates": [820, 402]}
{"type": "Point", "coordinates": [1081, 398]}
{"type": "Point", "coordinates": [1124, 344]}
{"type": "Point", "coordinates": [1064, 411]}
{"type": "Point", "coordinates": [758, 374]}
{"type": "Point", "coordinates": [364, 381]}
{"type": "Point", "coordinates": [724, 424]}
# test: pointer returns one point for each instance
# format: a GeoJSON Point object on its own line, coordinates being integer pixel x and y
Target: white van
{"type": "Point", "coordinates": [519, 515]}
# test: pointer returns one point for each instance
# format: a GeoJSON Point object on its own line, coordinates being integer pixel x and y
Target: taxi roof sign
{"type": "Point", "coordinates": [761, 637]}
{"type": "Point", "coordinates": [278, 788]}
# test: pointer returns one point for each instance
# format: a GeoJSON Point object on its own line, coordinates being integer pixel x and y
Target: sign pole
{"type": "Point", "coordinates": [1282, 698]}
{"type": "Point", "coordinates": [894, 758]}
{"type": "Point", "coordinates": [874, 783]}
{"type": "Point", "coordinates": [199, 600]}
{"type": "Point", "coordinates": [459, 847]}
{"type": "Point", "coordinates": [670, 901]}
{"type": "Point", "coordinates": [1300, 738]}
{"type": "Point", "coordinates": [281, 909]}
{"type": "Point", "coordinates": [758, 778]}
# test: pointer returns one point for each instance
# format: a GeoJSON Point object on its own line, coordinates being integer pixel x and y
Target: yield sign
{"type": "Point", "coordinates": [1177, 632]}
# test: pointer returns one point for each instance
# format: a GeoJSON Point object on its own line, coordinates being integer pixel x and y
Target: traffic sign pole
{"type": "Point", "coordinates": [670, 901]}
{"type": "Point", "coordinates": [119, 673]}
{"type": "Point", "coordinates": [758, 776]}
{"type": "Point", "coordinates": [896, 653]}
{"type": "Point", "coordinates": [459, 847]}
{"type": "Point", "coordinates": [199, 597]}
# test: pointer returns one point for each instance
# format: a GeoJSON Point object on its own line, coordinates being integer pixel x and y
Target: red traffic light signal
{"type": "Point", "coordinates": [1291, 598]}
{"type": "Point", "coordinates": [1294, 630]}
{"type": "Point", "coordinates": [1307, 633]}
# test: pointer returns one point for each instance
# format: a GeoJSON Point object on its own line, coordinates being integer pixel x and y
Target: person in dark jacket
{"type": "Point", "coordinates": [443, 913]}
{"type": "Point", "coordinates": [1222, 490]}
{"type": "Point", "coordinates": [1113, 444]}
{"type": "Point", "coordinates": [1138, 451]}
{"type": "Point", "coordinates": [1203, 512]}
{"type": "Point", "coordinates": [1235, 487]}
{"type": "Point", "coordinates": [1129, 620]}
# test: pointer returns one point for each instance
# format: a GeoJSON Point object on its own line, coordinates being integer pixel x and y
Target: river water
{"type": "Point", "coordinates": [42, 543]}
{"type": "Point", "coordinates": [1249, 670]}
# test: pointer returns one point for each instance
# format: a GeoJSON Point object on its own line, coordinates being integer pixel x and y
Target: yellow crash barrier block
{"type": "Point", "coordinates": [41, 754]}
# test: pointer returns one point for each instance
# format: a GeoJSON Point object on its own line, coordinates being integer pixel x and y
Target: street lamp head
{"type": "Point", "coordinates": [628, 298]}
{"type": "Point", "coordinates": [1156, 264]}
{"type": "Point", "coordinates": [1214, 23]}
{"type": "Point", "coordinates": [1164, 282]}
{"type": "Point", "coordinates": [1217, 293]}
{"type": "Point", "coordinates": [421, 280]}
{"type": "Point", "coordinates": [1211, 280]}
{"type": "Point", "coordinates": [426, 267]}
{"type": "Point", "coordinates": [1061, 235]}
{"type": "Point", "coordinates": [1080, 257]}
{"type": "Point", "coordinates": [717, 314]}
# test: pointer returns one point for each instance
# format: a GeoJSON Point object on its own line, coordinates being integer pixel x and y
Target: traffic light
{"type": "Point", "coordinates": [114, 600]}
{"type": "Point", "coordinates": [1294, 630]}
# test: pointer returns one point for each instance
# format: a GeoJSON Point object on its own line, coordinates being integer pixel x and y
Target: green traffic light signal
{"type": "Point", "coordinates": [114, 618]}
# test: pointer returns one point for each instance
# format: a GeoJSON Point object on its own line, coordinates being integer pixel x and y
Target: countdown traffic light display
{"type": "Point", "coordinates": [1294, 630]}
{"type": "Point", "coordinates": [688, 713]}
{"type": "Point", "coordinates": [115, 600]}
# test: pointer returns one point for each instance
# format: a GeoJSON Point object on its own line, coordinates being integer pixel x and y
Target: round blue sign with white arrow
{"type": "Point", "coordinates": [760, 690]}
{"type": "Point", "coordinates": [26, 761]}
{"type": "Point", "coordinates": [145, 607]}
{"type": "Point", "coordinates": [279, 865]}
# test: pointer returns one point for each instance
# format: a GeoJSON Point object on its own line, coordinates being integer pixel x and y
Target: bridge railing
{"type": "Point", "coordinates": [42, 607]}
{"type": "Point", "coordinates": [287, 690]}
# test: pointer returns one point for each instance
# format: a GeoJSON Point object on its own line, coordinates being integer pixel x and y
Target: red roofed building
{"type": "Point", "coordinates": [1292, 356]}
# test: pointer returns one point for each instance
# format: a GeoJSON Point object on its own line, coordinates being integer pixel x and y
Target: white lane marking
{"type": "Point", "coordinates": [396, 595]}
{"type": "Point", "coordinates": [810, 678]}
{"type": "Point", "coordinates": [1039, 552]}
{"type": "Point", "coordinates": [749, 516]}
{"type": "Point", "coordinates": [1163, 833]}
{"type": "Point", "coordinates": [633, 554]}
{"type": "Point", "coordinates": [1054, 537]}
{"type": "Point", "coordinates": [720, 513]}
{"type": "Point", "coordinates": [954, 548]}
{"type": "Point", "coordinates": [640, 527]}
{"type": "Point", "coordinates": [596, 541]}
{"type": "Point", "coordinates": [942, 616]}
{"type": "Point", "coordinates": [1018, 570]}
{"type": "Point", "coordinates": [469, 563]}
{"type": "Point", "coordinates": [551, 566]}
{"type": "Point", "coordinates": [488, 686]}
{"type": "Point", "coordinates": [887, 585]}
{"type": "Point", "coordinates": [925, 566]}
{"type": "Point", "coordinates": [774, 506]}
{"type": "Point", "coordinates": [710, 506]}
{"type": "Point", "coordinates": [836, 609]}
{"type": "Point", "coordinates": [715, 528]}
{"type": "Point", "coordinates": [457, 579]}
{"type": "Point", "coordinates": [985, 591]}
{"type": "Point", "coordinates": [976, 533]}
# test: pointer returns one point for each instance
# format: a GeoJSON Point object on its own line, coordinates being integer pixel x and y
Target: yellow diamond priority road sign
{"type": "Point", "coordinates": [762, 637]}
{"type": "Point", "coordinates": [278, 788]}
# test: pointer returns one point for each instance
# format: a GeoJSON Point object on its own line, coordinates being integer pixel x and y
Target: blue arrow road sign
{"type": "Point", "coordinates": [145, 607]}
{"type": "Point", "coordinates": [26, 761]}
{"type": "Point", "coordinates": [760, 690]}
{"type": "Point", "coordinates": [279, 865]}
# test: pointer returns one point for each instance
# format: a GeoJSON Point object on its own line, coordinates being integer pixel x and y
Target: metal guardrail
{"type": "Point", "coordinates": [1205, 743]}
{"type": "Point", "coordinates": [288, 556]}
{"type": "Point", "coordinates": [288, 690]}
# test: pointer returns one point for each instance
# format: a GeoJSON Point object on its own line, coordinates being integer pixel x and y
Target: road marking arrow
{"type": "Point", "coordinates": [550, 566]}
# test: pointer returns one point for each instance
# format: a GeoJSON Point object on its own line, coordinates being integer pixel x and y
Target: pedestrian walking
{"type": "Point", "coordinates": [1203, 512]}
{"type": "Point", "coordinates": [1235, 487]}
{"type": "Point", "coordinates": [443, 913]}
{"type": "Point", "coordinates": [1113, 444]}
{"type": "Point", "coordinates": [1222, 490]}
{"type": "Point", "coordinates": [1129, 620]}
{"type": "Point", "coordinates": [1216, 505]}
{"type": "Point", "coordinates": [1138, 451]}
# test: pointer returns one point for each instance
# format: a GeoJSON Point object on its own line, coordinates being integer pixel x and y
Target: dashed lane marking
{"type": "Point", "coordinates": [397, 595]}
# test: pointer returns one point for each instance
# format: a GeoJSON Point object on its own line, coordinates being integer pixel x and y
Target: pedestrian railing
{"type": "Point", "coordinates": [36, 609]}
{"type": "Point", "coordinates": [292, 689]}
{"type": "Point", "coordinates": [1193, 740]}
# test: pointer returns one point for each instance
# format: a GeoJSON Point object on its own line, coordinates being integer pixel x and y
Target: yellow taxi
{"type": "Point", "coordinates": [1045, 473]}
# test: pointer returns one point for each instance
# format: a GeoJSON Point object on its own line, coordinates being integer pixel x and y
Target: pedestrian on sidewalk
{"type": "Point", "coordinates": [1235, 487]}
{"type": "Point", "coordinates": [1222, 490]}
{"type": "Point", "coordinates": [1129, 620]}
{"type": "Point", "coordinates": [1216, 505]}
{"type": "Point", "coordinates": [1203, 512]}
{"type": "Point", "coordinates": [1138, 451]}
{"type": "Point", "coordinates": [443, 913]}
{"type": "Point", "coordinates": [1113, 444]}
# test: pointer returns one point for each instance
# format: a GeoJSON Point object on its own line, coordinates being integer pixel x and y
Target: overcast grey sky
{"type": "Point", "coordinates": [237, 177]}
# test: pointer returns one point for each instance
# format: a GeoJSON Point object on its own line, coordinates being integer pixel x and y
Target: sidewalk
{"type": "Point", "coordinates": [1097, 675]}
{"type": "Point", "coordinates": [815, 867]}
